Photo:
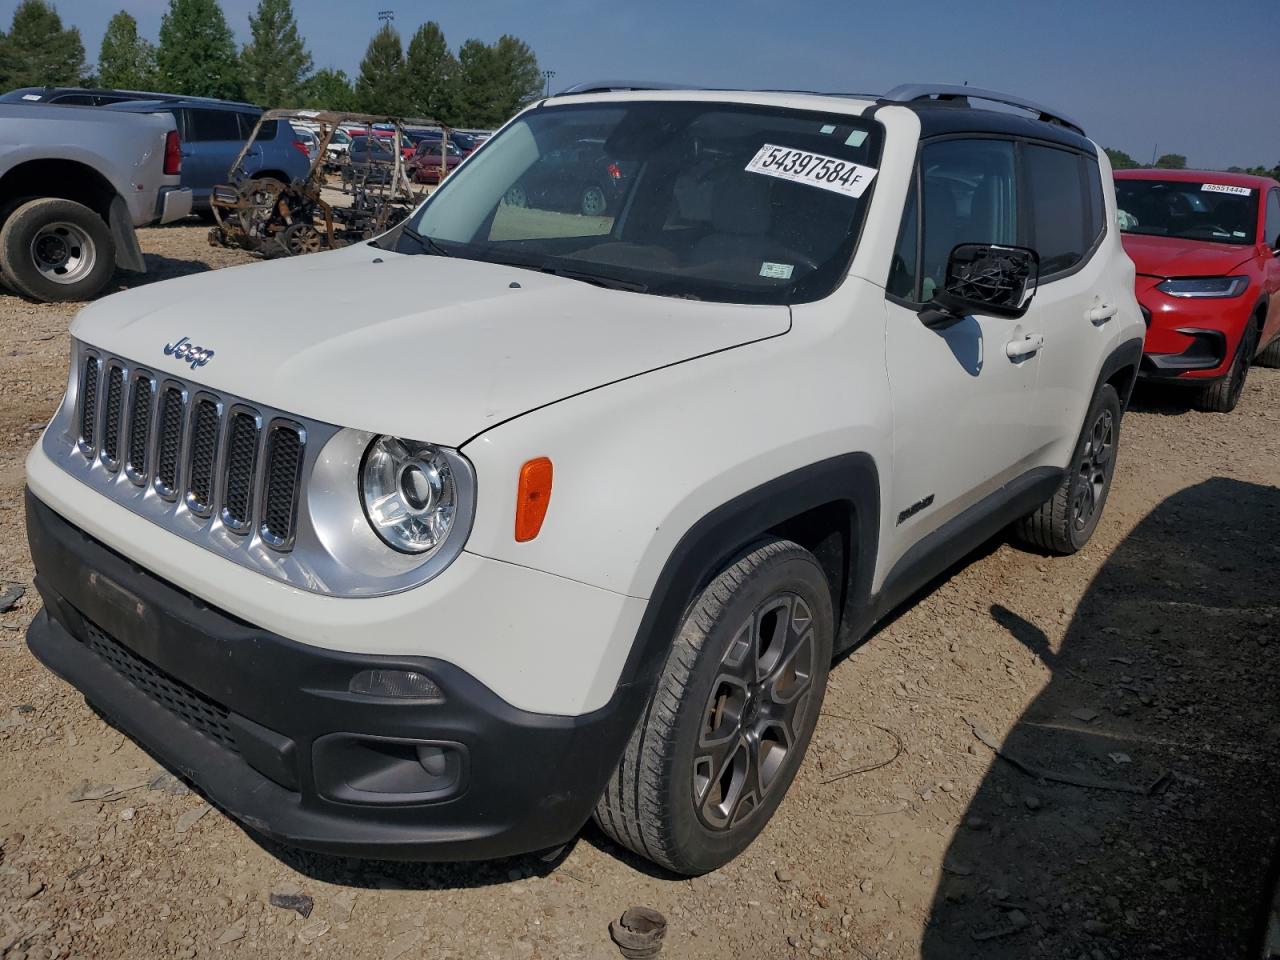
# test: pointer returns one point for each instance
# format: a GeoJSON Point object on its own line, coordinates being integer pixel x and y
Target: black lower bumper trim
{"type": "Point", "coordinates": [1208, 350]}
{"type": "Point", "coordinates": [238, 711]}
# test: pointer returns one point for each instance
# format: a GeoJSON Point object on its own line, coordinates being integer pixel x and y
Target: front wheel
{"type": "Point", "coordinates": [55, 250]}
{"type": "Point", "coordinates": [1065, 522]}
{"type": "Point", "coordinates": [1222, 397]}
{"type": "Point", "coordinates": [731, 716]}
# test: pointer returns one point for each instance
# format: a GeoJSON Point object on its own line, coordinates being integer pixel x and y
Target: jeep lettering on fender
{"type": "Point", "coordinates": [571, 518]}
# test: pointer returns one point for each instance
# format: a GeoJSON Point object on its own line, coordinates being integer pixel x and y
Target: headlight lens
{"type": "Point", "coordinates": [1205, 287]}
{"type": "Point", "coordinates": [409, 493]}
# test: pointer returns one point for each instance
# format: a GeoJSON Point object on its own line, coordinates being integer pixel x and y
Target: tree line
{"type": "Point", "coordinates": [480, 85]}
{"type": "Point", "coordinates": [1177, 161]}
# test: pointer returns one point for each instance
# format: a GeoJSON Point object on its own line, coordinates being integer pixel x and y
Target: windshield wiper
{"type": "Point", "coordinates": [598, 279]}
{"type": "Point", "coordinates": [425, 242]}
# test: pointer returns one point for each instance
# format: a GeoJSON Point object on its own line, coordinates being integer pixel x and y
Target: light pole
{"type": "Point", "coordinates": [386, 16]}
{"type": "Point", "coordinates": [547, 75]}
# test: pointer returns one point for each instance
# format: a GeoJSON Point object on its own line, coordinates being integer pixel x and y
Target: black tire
{"type": "Point", "coordinates": [56, 250]}
{"type": "Point", "coordinates": [777, 590]}
{"type": "Point", "coordinates": [1270, 355]}
{"type": "Point", "coordinates": [1222, 396]}
{"type": "Point", "coordinates": [1065, 522]}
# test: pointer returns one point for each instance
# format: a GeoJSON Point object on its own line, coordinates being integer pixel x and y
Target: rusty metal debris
{"type": "Point", "coordinates": [273, 218]}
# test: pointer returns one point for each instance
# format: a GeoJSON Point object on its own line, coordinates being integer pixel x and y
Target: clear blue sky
{"type": "Point", "coordinates": [1193, 77]}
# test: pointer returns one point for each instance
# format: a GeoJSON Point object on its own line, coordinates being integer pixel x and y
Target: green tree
{"type": "Point", "coordinates": [37, 50]}
{"type": "Point", "coordinates": [197, 53]}
{"type": "Point", "coordinates": [475, 90]}
{"type": "Point", "coordinates": [1119, 159]}
{"type": "Point", "coordinates": [126, 60]}
{"type": "Point", "coordinates": [1172, 161]}
{"type": "Point", "coordinates": [276, 61]}
{"type": "Point", "coordinates": [328, 90]}
{"type": "Point", "coordinates": [430, 72]}
{"type": "Point", "coordinates": [380, 87]}
{"type": "Point", "coordinates": [518, 79]}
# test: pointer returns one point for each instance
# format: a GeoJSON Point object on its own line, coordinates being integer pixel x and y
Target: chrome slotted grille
{"type": "Point", "coordinates": [211, 457]}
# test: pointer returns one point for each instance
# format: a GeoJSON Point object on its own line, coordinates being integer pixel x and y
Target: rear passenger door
{"type": "Point", "coordinates": [960, 402]}
{"type": "Point", "coordinates": [1075, 305]}
{"type": "Point", "coordinates": [211, 139]}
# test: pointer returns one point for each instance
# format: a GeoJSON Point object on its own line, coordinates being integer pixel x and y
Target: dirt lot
{"type": "Point", "coordinates": [1147, 662]}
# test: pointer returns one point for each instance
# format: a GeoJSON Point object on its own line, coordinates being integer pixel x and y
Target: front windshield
{"type": "Point", "coordinates": [1189, 210]}
{"type": "Point", "coordinates": [712, 201]}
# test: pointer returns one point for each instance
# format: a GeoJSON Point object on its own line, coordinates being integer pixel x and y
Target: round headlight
{"type": "Point", "coordinates": [409, 494]}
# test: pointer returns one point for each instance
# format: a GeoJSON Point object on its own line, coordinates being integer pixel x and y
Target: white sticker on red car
{"type": "Point", "coordinates": [813, 169]}
{"type": "Point", "coordinates": [1227, 188]}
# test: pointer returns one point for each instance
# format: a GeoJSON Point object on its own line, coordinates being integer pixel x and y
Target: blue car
{"type": "Point", "coordinates": [212, 134]}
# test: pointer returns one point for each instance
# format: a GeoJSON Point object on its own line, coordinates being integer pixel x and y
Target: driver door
{"type": "Point", "coordinates": [961, 403]}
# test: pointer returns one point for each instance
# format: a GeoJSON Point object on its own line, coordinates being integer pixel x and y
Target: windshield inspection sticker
{"type": "Point", "coordinates": [1226, 188]}
{"type": "Point", "coordinates": [776, 271]}
{"type": "Point", "coordinates": [812, 169]}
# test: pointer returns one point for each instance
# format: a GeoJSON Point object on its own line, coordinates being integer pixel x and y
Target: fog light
{"type": "Point", "coordinates": [434, 760]}
{"type": "Point", "coordinates": [405, 684]}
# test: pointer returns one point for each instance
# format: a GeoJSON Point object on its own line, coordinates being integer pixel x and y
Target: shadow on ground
{"type": "Point", "coordinates": [1166, 681]}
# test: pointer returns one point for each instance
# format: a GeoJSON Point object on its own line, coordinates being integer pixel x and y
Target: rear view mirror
{"type": "Point", "coordinates": [989, 279]}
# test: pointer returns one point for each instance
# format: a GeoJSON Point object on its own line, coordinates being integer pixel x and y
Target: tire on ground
{"type": "Point", "coordinates": [18, 263]}
{"type": "Point", "coordinates": [1223, 395]}
{"type": "Point", "coordinates": [1270, 357]}
{"type": "Point", "coordinates": [1053, 526]}
{"type": "Point", "coordinates": [649, 803]}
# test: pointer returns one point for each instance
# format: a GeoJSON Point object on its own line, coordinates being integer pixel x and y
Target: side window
{"type": "Point", "coordinates": [1273, 219]}
{"type": "Point", "coordinates": [206, 125]}
{"type": "Point", "coordinates": [902, 272]}
{"type": "Point", "coordinates": [1095, 223]}
{"type": "Point", "coordinates": [970, 196]}
{"type": "Point", "coordinates": [1058, 208]}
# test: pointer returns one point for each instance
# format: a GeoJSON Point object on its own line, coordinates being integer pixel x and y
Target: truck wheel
{"type": "Point", "coordinates": [1222, 397]}
{"type": "Point", "coordinates": [729, 721]}
{"type": "Point", "coordinates": [1065, 522]}
{"type": "Point", "coordinates": [54, 250]}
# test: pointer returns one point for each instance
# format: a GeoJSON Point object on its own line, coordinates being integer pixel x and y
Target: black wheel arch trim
{"type": "Point", "coordinates": [1127, 354]}
{"type": "Point", "coordinates": [850, 479]}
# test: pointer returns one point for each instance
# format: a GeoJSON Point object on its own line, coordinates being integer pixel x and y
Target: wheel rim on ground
{"type": "Point", "coordinates": [593, 202]}
{"type": "Point", "coordinates": [63, 252]}
{"type": "Point", "coordinates": [1095, 467]}
{"type": "Point", "coordinates": [752, 719]}
{"type": "Point", "coordinates": [516, 196]}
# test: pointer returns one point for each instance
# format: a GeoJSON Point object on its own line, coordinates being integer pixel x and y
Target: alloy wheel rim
{"type": "Point", "coordinates": [63, 252]}
{"type": "Point", "coordinates": [751, 721]}
{"type": "Point", "coordinates": [593, 202]}
{"type": "Point", "coordinates": [1095, 467]}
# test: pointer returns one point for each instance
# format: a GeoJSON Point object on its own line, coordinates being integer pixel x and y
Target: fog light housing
{"type": "Point", "coordinates": [400, 684]}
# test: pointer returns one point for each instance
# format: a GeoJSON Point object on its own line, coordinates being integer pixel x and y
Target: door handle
{"type": "Point", "coordinates": [1102, 313]}
{"type": "Point", "coordinates": [1026, 347]}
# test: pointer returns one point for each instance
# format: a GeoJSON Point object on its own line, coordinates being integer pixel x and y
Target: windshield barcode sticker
{"type": "Point", "coordinates": [1227, 188]}
{"type": "Point", "coordinates": [814, 169]}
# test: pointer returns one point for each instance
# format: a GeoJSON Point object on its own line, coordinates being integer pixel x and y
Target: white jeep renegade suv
{"type": "Point", "coordinates": [539, 508]}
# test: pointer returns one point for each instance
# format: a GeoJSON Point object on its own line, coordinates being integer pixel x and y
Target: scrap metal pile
{"type": "Point", "coordinates": [274, 218]}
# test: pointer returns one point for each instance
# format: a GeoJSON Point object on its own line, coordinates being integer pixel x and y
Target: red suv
{"type": "Point", "coordinates": [1207, 250]}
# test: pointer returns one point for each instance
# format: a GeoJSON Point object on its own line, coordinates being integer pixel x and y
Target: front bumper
{"type": "Point", "coordinates": [268, 731]}
{"type": "Point", "coordinates": [1191, 340]}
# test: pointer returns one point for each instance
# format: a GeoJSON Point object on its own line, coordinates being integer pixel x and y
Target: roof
{"type": "Point", "coordinates": [1199, 176]}
{"type": "Point", "coordinates": [171, 103]}
{"type": "Point", "coordinates": [942, 108]}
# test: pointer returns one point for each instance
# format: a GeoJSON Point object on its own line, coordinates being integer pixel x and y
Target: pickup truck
{"type": "Point", "coordinates": [74, 183]}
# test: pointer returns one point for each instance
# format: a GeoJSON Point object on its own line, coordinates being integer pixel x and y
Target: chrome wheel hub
{"type": "Point", "coordinates": [62, 252]}
{"type": "Point", "coordinates": [755, 713]}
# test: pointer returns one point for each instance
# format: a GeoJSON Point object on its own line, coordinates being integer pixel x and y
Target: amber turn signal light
{"type": "Point", "coordinates": [532, 498]}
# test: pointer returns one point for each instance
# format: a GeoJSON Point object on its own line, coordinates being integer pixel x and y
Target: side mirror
{"type": "Point", "coordinates": [985, 278]}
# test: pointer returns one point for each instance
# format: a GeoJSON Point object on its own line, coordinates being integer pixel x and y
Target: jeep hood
{"type": "Point", "coordinates": [1174, 257]}
{"type": "Point", "coordinates": [426, 347]}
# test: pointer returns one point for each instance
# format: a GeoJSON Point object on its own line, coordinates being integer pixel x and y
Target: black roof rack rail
{"type": "Point", "coordinates": [961, 95]}
{"type": "Point", "coordinates": [616, 86]}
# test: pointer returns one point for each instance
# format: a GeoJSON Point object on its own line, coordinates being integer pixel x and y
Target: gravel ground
{"type": "Point", "coordinates": [1145, 665]}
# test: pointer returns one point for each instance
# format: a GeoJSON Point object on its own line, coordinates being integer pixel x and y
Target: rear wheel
{"type": "Point", "coordinates": [731, 717]}
{"type": "Point", "coordinates": [593, 202]}
{"type": "Point", "coordinates": [1065, 522]}
{"type": "Point", "coordinates": [1222, 397]}
{"type": "Point", "coordinates": [56, 250]}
